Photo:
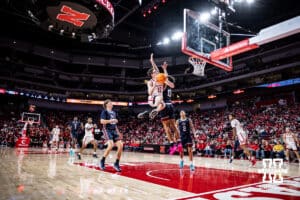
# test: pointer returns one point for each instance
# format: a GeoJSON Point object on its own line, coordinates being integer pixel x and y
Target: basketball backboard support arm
{"type": "Point", "coordinates": [266, 35]}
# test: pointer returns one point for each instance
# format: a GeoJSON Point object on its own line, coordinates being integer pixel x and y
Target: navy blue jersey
{"type": "Point", "coordinates": [184, 127]}
{"type": "Point", "coordinates": [167, 95]}
{"type": "Point", "coordinates": [107, 115]}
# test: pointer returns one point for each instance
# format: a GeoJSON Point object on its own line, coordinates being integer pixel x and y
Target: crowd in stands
{"type": "Point", "coordinates": [264, 126]}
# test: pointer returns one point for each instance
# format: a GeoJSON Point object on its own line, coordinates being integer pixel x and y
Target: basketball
{"type": "Point", "coordinates": [161, 78]}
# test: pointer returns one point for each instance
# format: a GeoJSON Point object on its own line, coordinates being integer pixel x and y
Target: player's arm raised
{"type": "Point", "coordinates": [168, 82]}
{"type": "Point", "coordinates": [153, 63]}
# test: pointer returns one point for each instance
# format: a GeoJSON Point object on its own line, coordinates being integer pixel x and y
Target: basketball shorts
{"type": "Point", "coordinates": [186, 141]}
{"type": "Point", "coordinates": [87, 139]}
{"type": "Point", "coordinates": [242, 137]}
{"type": "Point", "coordinates": [55, 138]}
{"type": "Point", "coordinates": [111, 135]}
{"type": "Point", "coordinates": [167, 113]}
{"type": "Point", "coordinates": [74, 134]}
{"type": "Point", "coordinates": [291, 145]}
{"type": "Point", "coordinates": [152, 100]}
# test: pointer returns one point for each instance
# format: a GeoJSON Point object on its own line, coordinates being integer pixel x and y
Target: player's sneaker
{"type": "Point", "coordinates": [253, 162]}
{"type": "Point", "coordinates": [181, 164]}
{"type": "Point", "coordinates": [192, 167]}
{"type": "Point", "coordinates": [79, 156]}
{"type": "Point", "coordinates": [117, 167]}
{"type": "Point", "coordinates": [173, 149]}
{"type": "Point", "coordinates": [102, 165]}
{"type": "Point", "coordinates": [95, 155]}
{"type": "Point", "coordinates": [231, 159]}
{"type": "Point", "coordinates": [72, 153]}
{"type": "Point", "coordinates": [142, 114]}
{"type": "Point", "coordinates": [153, 114]}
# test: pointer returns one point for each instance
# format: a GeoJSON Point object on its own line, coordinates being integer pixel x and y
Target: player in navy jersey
{"type": "Point", "coordinates": [185, 126]}
{"type": "Point", "coordinates": [168, 119]}
{"type": "Point", "coordinates": [110, 129]}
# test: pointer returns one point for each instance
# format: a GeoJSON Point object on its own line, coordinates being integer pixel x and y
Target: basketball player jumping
{"type": "Point", "coordinates": [88, 138]}
{"type": "Point", "coordinates": [155, 89]}
{"type": "Point", "coordinates": [168, 118]}
{"type": "Point", "coordinates": [185, 126]}
{"type": "Point", "coordinates": [239, 132]}
{"type": "Point", "coordinates": [109, 120]}
{"type": "Point", "coordinates": [290, 140]}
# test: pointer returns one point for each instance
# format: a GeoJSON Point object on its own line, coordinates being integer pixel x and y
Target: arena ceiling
{"type": "Point", "coordinates": [134, 37]}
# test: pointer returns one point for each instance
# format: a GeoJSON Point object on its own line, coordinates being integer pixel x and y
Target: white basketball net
{"type": "Point", "coordinates": [199, 66]}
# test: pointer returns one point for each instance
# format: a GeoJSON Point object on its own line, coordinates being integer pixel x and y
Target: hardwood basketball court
{"type": "Point", "coordinates": [40, 174]}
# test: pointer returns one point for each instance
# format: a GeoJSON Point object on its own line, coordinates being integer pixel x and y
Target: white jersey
{"type": "Point", "coordinates": [55, 132]}
{"type": "Point", "coordinates": [88, 129]}
{"type": "Point", "coordinates": [290, 141]}
{"type": "Point", "coordinates": [241, 134]}
{"type": "Point", "coordinates": [158, 88]}
{"type": "Point", "coordinates": [236, 124]}
{"type": "Point", "coordinates": [289, 138]}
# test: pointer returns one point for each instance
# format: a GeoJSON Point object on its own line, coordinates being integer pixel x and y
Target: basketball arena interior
{"type": "Point", "coordinates": [149, 99]}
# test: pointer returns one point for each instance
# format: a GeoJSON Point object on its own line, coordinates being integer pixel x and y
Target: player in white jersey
{"type": "Point", "coordinates": [88, 138]}
{"type": "Point", "coordinates": [290, 141]}
{"type": "Point", "coordinates": [155, 89]}
{"type": "Point", "coordinates": [242, 137]}
{"type": "Point", "coordinates": [55, 136]}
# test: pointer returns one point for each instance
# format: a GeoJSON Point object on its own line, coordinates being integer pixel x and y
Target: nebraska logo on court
{"type": "Point", "coordinates": [289, 189]}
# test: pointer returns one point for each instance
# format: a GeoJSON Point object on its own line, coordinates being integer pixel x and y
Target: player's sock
{"type": "Point", "coordinates": [192, 167]}
{"type": "Point", "coordinates": [181, 163]}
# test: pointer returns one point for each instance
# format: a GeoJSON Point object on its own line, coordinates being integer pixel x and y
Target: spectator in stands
{"type": "Point", "coordinates": [278, 151]}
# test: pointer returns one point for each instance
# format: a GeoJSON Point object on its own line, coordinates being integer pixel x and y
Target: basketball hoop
{"type": "Point", "coordinates": [198, 64]}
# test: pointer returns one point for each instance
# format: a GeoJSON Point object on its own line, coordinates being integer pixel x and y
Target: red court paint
{"type": "Point", "coordinates": [200, 181]}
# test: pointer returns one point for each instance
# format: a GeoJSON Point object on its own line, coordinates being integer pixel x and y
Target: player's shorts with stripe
{"type": "Point", "coordinates": [87, 139]}
{"type": "Point", "coordinates": [242, 137]}
{"type": "Point", "coordinates": [168, 112]}
{"type": "Point", "coordinates": [111, 134]}
{"type": "Point", "coordinates": [55, 138]}
{"type": "Point", "coordinates": [291, 145]}
{"type": "Point", "coordinates": [152, 100]}
{"type": "Point", "coordinates": [186, 141]}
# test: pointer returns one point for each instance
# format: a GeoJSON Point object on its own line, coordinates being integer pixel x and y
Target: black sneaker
{"type": "Point", "coordinates": [95, 155]}
{"type": "Point", "coordinates": [231, 159]}
{"type": "Point", "coordinates": [142, 114]}
{"type": "Point", "coordinates": [79, 156]}
{"type": "Point", "coordinates": [153, 114]}
{"type": "Point", "coordinates": [102, 165]}
{"type": "Point", "coordinates": [117, 167]}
